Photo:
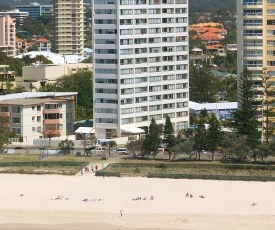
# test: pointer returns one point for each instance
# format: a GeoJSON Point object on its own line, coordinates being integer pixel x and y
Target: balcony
{"type": "Point", "coordinates": [51, 121]}
{"type": "Point", "coordinates": [50, 111]}
{"type": "Point", "coordinates": [5, 114]}
{"type": "Point", "coordinates": [55, 132]}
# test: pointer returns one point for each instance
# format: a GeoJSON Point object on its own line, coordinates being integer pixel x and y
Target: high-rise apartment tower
{"type": "Point", "coordinates": [140, 65]}
{"type": "Point", "coordinates": [256, 46]}
{"type": "Point", "coordinates": [69, 27]}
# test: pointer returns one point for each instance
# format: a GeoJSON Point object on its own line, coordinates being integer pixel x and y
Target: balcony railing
{"type": "Point", "coordinates": [51, 121]}
{"type": "Point", "coordinates": [50, 111]}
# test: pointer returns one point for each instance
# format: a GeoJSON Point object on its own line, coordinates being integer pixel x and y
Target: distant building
{"type": "Point", "coordinates": [42, 72]}
{"type": "Point", "coordinates": [69, 27]}
{"type": "Point", "coordinates": [43, 44]}
{"type": "Point", "coordinates": [7, 35]}
{"type": "Point", "coordinates": [223, 110]}
{"type": "Point", "coordinates": [19, 16]}
{"type": "Point", "coordinates": [21, 45]}
{"type": "Point", "coordinates": [39, 115]}
{"type": "Point", "coordinates": [35, 9]}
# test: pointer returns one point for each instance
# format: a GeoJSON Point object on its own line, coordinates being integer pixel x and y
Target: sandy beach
{"type": "Point", "coordinates": [31, 202]}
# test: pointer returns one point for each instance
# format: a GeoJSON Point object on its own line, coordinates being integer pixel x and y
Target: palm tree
{"type": "Point", "coordinates": [65, 146]}
{"type": "Point", "coordinates": [31, 86]}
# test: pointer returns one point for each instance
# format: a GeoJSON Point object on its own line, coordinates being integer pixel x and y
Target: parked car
{"type": "Point", "coordinates": [203, 151]}
{"type": "Point", "coordinates": [122, 151]}
{"type": "Point", "coordinates": [162, 148]}
{"type": "Point", "coordinates": [98, 149]}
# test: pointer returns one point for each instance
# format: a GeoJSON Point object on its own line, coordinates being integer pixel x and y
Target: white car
{"type": "Point", "coordinates": [98, 149]}
{"type": "Point", "coordinates": [122, 151]}
{"type": "Point", "coordinates": [203, 151]}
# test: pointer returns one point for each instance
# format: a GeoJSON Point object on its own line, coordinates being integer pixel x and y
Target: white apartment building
{"type": "Point", "coordinates": [69, 27]}
{"type": "Point", "coordinates": [39, 115]}
{"type": "Point", "coordinates": [256, 45]}
{"type": "Point", "coordinates": [140, 65]}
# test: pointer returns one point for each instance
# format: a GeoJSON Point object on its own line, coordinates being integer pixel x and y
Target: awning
{"type": "Point", "coordinates": [85, 130]}
{"type": "Point", "coordinates": [131, 129]}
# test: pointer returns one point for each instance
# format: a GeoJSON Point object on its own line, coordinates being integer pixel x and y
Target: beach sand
{"type": "Point", "coordinates": [29, 202]}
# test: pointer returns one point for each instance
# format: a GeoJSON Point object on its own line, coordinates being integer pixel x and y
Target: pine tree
{"type": "Point", "coordinates": [169, 135]}
{"type": "Point", "coordinates": [245, 121]}
{"type": "Point", "coordinates": [214, 134]}
{"type": "Point", "coordinates": [153, 137]}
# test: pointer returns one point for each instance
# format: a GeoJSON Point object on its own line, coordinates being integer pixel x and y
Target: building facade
{"type": "Point", "coordinates": [69, 27]}
{"type": "Point", "coordinates": [36, 10]}
{"type": "Point", "coordinates": [7, 35]}
{"type": "Point", "coordinates": [140, 65]}
{"type": "Point", "coordinates": [19, 16]}
{"type": "Point", "coordinates": [39, 115]}
{"type": "Point", "coordinates": [256, 46]}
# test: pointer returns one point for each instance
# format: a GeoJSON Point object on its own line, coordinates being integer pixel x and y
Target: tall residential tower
{"type": "Point", "coordinates": [69, 27]}
{"type": "Point", "coordinates": [140, 65]}
{"type": "Point", "coordinates": [256, 46]}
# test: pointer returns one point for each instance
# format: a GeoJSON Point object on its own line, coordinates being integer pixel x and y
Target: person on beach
{"type": "Point", "coordinates": [121, 212]}
{"type": "Point", "coordinates": [191, 195]}
{"type": "Point", "coordinates": [152, 197]}
{"type": "Point", "coordinates": [253, 204]}
{"type": "Point", "coordinates": [96, 168]}
{"type": "Point", "coordinates": [187, 194]}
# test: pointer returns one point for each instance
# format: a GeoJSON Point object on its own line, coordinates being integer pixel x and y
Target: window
{"type": "Point", "coordinates": [51, 106]}
{"type": "Point", "coordinates": [16, 120]}
{"type": "Point", "coordinates": [33, 108]}
{"type": "Point", "coordinates": [33, 119]}
{"type": "Point", "coordinates": [33, 129]}
{"type": "Point", "coordinates": [60, 126]}
{"type": "Point", "coordinates": [38, 119]}
{"type": "Point", "coordinates": [38, 108]}
{"type": "Point", "coordinates": [60, 115]}
{"type": "Point", "coordinates": [16, 109]}
{"type": "Point", "coordinates": [127, 71]}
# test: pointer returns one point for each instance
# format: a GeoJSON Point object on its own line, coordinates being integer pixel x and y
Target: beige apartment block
{"type": "Point", "coordinates": [69, 27]}
{"type": "Point", "coordinates": [256, 48]}
{"type": "Point", "coordinates": [52, 72]}
{"type": "Point", "coordinates": [7, 35]}
{"type": "Point", "coordinates": [39, 115]}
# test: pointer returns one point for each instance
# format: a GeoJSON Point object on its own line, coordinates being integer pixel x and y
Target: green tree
{"type": "Point", "coordinates": [135, 147]}
{"type": "Point", "coordinates": [82, 83]}
{"type": "Point", "coordinates": [169, 135]}
{"type": "Point", "coordinates": [268, 108]}
{"type": "Point", "coordinates": [203, 84]}
{"type": "Point", "coordinates": [109, 144]}
{"type": "Point", "coordinates": [239, 147]}
{"type": "Point", "coordinates": [200, 139]}
{"type": "Point", "coordinates": [5, 132]}
{"type": "Point", "coordinates": [245, 121]}
{"type": "Point", "coordinates": [152, 139]}
{"type": "Point", "coordinates": [66, 146]}
{"type": "Point", "coordinates": [214, 134]}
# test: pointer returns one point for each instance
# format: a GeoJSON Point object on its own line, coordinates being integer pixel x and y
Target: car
{"type": "Point", "coordinates": [19, 147]}
{"type": "Point", "coordinates": [122, 151]}
{"type": "Point", "coordinates": [98, 149]}
{"type": "Point", "coordinates": [203, 151]}
{"type": "Point", "coordinates": [90, 148]}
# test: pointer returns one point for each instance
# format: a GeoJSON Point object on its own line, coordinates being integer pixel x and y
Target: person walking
{"type": "Point", "coordinates": [121, 212]}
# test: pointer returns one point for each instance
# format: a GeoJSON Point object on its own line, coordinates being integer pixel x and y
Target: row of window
{"type": "Point", "coordinates": [154, 40]}
{"type": "Point", "coordinates": [156, 117]}
{"type": "Point", "coordinates": [139, 2]}
{"type": "Point", "coordinates": [154, 69]}
{"type": "Point", "coordinates": [153, 88]}
{"type": "Point", "coordinates": [151, 79]}
{"type": "Point", "coordinates": [144, 50]}
{"type": "Point", "coordinates": [127, 101]}
{"type": "Point", "coordinates": [17, 120]}
{"type": "Point", "coordinates": [154, 107]}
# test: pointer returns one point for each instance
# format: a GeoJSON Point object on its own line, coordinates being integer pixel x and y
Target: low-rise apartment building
{"type": "Point", "coordinates": [39, 115]}
{"type": "Point", "coordinates": [7, 35]}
